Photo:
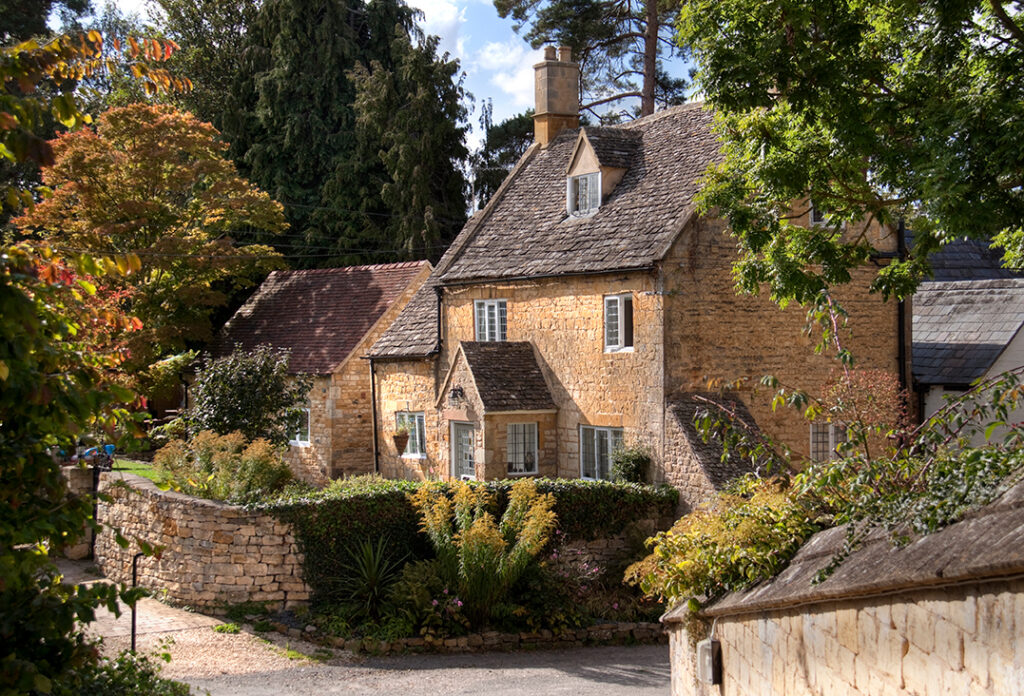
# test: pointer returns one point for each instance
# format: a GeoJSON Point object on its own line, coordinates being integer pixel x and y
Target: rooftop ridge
{"type": "Point", "coordinates": [348, 269]}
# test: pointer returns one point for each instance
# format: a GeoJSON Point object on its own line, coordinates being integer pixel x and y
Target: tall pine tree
{"type": "Point", "coordinates": [292, 124]}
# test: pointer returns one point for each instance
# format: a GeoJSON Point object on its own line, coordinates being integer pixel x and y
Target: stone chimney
{"type": "Point", "coordinates": [556, 92]}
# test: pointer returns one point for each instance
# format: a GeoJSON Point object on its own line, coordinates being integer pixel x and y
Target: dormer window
{"type": "Point", "coordinates": [583, 194]}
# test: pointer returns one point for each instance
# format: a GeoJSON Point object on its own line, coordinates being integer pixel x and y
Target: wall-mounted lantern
{"type": "Point", "coordinates": [456, 394]}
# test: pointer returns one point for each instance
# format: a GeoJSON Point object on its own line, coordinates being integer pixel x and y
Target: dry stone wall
{"type": "Point", "coordinates": [214, 553]}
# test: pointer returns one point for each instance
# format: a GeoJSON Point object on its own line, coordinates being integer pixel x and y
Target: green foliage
{"type": "Point", "coordinates": [331, 521]}
{"type": "Point", "coordinates": [615, 43]}
{"type": "Point", "coordinates": [870, 110]}
{"type": "Point", "coordinates": [928, 479]}
{"type": "Point", "coordinates": [479, 556]}
{"type": "Point", "coordinates": [223, 467]}
{"type": "Point", "coordinates": [297, 126]}
{"type": "Point", "coordinates": [227, 628]}
{"type": "Point", "coordinates": [428, 604]}
{"type": "Point", "coordinates": [129, 674]}
{"type": "Point", "coordinates": [631, 464]}
{"type": "Point", "coordinates": [20, 21]}
{"type": "Point", "coordinates": [369, 573]}
{"type": "Point", "coordinates": [504, 144]}
{"type": "Point", "coordinates": [248, 391]}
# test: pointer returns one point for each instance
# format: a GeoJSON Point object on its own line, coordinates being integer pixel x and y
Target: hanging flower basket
{"type": "Point", "coordinates": [401, 441]}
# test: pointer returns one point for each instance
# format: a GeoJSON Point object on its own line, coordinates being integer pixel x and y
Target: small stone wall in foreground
{"type": "Point", "coordinates": [214, 553]}
{"type": "Point", "coordinates": [79, 480]}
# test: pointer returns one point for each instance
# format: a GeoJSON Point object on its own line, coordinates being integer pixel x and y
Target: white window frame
{"type": "Point", "coordinates": [836, 436]}
{"type": "Point", "coordinates": [415, 424]}
{"type": "Point", "coordinates": [622, 328]}
{"type": "Point", "coordinates": [300, 438]}
{"type": "Point", "coordinates": [614, 440]}
{"type": "Point", "coordinates": [490, 320]}
{"type": "Point", "coordinates": [528, 453]}
{"type": "Point", "coordinates": [816, 210]}
{"type": "Point", "coordinates": [593, 201]}
{"type": "Point", "coordinates": [454, 449]}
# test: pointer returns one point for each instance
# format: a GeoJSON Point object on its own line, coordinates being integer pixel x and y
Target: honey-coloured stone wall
{"type": "Point", "coordinates": [408, 385]}
{"type": "Point", "coordinates": [312, 462]}
{"type": "Point", "coordinates": [214, 554]}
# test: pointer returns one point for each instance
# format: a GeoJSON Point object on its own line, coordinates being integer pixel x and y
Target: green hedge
{"type": "Point", "coordinates": [329, 522]}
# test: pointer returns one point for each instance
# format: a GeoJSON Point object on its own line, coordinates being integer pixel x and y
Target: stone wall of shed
{"type": "Point", "coordinates": [312, 462]}
{"type": "Point", "coordinates": [408, 385]}
{"type": "Point", "coordinates": [956, 640]}
{"type": "Point", "coordinates": [564, 319]}
{"type": "Point", "coordinates": [214, 553]}
{"type": "Point", "coordinates": [712, 333]}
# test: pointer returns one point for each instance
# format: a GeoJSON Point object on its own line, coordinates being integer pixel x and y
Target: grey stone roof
{"type": "Point", "coordinates": [614, 147]}
{"type": "Point", "coordinates": [526, 232]}
{"type": "Point", "coordinates": [524, 229]}
{"type": "Point", "coordinates": [961, 327]}
{"type": "Point", "coordinates": [968, 259]}
{"type": "Point", "coordinates": [507, 376]}
{"type": "Point", "coordinates": [682, 407]}
{"type": "Point", "coordinates": [986, 544]}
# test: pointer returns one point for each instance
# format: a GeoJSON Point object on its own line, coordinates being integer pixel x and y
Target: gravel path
{"type": "Point", "coordinates": [246, 664]}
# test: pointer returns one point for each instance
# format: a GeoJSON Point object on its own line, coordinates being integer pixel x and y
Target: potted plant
{"type": "Point", "coordinates": [401, 438]}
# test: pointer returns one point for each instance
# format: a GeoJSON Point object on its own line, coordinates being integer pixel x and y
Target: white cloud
{"type": "Point", "coordinates": [443, 18]}
{"type": "Point", "coordinates": [511, 66]}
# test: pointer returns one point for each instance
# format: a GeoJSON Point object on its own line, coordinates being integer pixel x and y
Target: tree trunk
{"type": "Point", "coordinates": [650, 58]}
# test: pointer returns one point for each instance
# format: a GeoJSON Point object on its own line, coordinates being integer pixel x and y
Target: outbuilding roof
{"type": "Point", "coordinates": [319, 315]}
{"type": "Point", "coordinates": [961, 327]}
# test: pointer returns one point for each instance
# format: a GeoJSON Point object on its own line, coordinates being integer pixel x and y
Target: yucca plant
{"type": "Point", "coordinates": [371, 570]}
{"type": "Point", "coordinates": [478, 555]}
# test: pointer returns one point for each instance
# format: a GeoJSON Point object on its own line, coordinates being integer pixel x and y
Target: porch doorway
{"type": "Point", "coordinates": [463, 445]}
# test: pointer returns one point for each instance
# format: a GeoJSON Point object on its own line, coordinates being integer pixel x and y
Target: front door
{"type": "Point", "coordinates": [462, 451]}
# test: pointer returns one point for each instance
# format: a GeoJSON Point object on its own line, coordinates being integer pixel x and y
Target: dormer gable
{"type": "Point", "coordinates": [599, 160]}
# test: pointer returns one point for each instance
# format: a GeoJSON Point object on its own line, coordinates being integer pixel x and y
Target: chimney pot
{"type": "Point", "coordinates": [557, 93]}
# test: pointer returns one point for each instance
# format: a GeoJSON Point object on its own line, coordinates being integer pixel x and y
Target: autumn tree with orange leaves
{"type": "Point", "coordinates": [152, 182]}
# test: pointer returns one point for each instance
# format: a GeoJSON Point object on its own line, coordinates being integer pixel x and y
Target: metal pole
{"type": "Point", "coordinates": [135, 583]}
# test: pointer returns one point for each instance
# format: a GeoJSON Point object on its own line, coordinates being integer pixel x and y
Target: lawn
{"type": "Point", "coordinates": [132, 466]}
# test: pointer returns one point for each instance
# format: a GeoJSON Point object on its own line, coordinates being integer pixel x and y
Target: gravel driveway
{"type": "Point", "coordinates": [246, 664]}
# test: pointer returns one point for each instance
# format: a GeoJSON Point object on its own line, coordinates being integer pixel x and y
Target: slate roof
{"type": "Point", "coordinates": [507, 376]}
{"type": "Point", "coordinates": [526, 232]}
{"type": "Point", "coordinates": [968, 259]}
{"type": "Point", "coordinates": [413, 334]}
{"type": "Point", "coordinates": [988, 543]}
{"type": "Point", "coordinates": [319, 315]}
{"type": "Point", "coordinates": [682, 407]}
{"type": "Point", "coordinates": [614, 147]}
{"type": "Point", "coordinates": [961, 327]}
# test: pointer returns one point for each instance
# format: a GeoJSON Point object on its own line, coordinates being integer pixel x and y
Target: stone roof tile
{"type": "Point", "coordinates": [507, 376]}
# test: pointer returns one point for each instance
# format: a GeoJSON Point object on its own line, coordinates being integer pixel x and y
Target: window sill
{"type": "Point", "coordinates": [521, 474]}
{"type": "Point", "coordinates": [615, 351]}
{"type": "Point", "coordinates": [299, 443]}
{"type": "Point", "coordinates": [414, 456]}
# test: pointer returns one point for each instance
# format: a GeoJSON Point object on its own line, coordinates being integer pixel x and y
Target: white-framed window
{"type": "Point", "coordinates": [819, 216]}
{"type": "Point", "coordinates": [618, 323]}
{"type": "Point", "coordinates": [491, 319]}
{"type": "Point", "coordinates": [825, 438]}
{"type": "Point", "coordinates": [583, 194]}
{"type": "Point", "coordinates": [596, 447]}
{"type": "Point", "coordinates": [413, 422]}
{"type": "Point", "coordinates": [300, 436]}
{"type": "Point", "coordinates": [463, 451]}
{"type": "Point", "coordinates": [521, 447]}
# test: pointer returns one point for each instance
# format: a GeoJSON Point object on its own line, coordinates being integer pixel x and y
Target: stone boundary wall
{"type": "Point", "coordinates": [80, 479]}
{"type": "Point", "coordinates": [943, 614]}
{"type": "Point", "coordinates": [215, 554]}
{"type": "Point", "coordinates": [599, 634]}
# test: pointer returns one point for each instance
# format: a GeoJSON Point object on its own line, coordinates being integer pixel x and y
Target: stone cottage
{"type": "Point", "coordinates": [328, 319]}
{"type": "Point", "coordinates": [587, 304]}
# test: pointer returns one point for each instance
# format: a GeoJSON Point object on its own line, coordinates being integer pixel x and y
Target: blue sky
{"type": "Point", "coordinates": [498, 64]}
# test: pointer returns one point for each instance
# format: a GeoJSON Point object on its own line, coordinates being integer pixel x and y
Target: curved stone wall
{"type": "Point", "coordinates": [214, 554]}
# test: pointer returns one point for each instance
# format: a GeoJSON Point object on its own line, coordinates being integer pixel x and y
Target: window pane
{"type": "Point", "coordinates": [589, 453]}
{"type": "Point", "coordinates": [594, 190]}
{"type": "Point", "coordinates": [603, 451]}
{"type": "Point", "coordinates": [820, 445]}
{"type": "Point", "coordinates": [481, 321]}
{"type": "Point", "coordinates": [502, 321]}
{"type": "Point", "coordinates": [627, 321]}
{"type": "Point", "coordinates": [611, 322]}
{"type": "Point", "coordinates": [522, 448]}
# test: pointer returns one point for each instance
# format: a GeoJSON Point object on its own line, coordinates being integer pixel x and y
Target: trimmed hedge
{"type": "Point", "coordinates": [330, 522]}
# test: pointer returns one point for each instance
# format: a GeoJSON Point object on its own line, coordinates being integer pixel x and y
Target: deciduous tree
{"type": "Point", "coordinates": [152, 182]}
{"type": "Point", "coordinates": [882, 110]}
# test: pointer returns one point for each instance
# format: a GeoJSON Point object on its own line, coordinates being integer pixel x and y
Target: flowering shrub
{"type": "Point", "coordinates": [480, 556]}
